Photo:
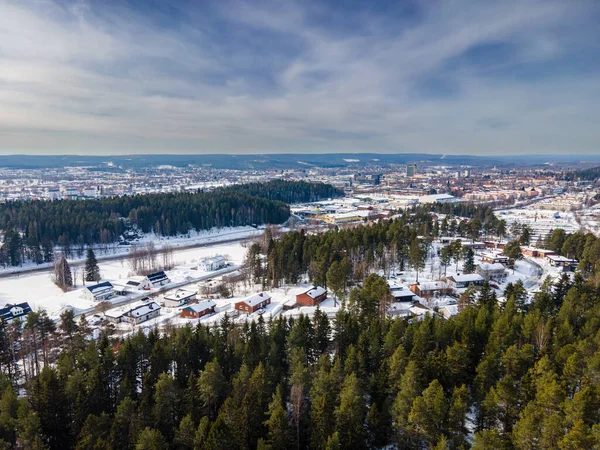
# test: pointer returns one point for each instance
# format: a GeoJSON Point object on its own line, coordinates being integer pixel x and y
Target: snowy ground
{"type": "Point", "coordinates": [41, 293]}
{"type": "Point", "coordinates": [541, 221]}
{"type": "Point", "coordinates": [204, 237]}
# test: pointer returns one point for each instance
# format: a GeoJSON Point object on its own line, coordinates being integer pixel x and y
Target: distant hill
{"type": "Point", "coordinates": [277, 161]}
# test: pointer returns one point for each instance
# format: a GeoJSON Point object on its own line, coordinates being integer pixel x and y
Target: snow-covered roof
{"type": "Point", "coordinates": [256, 298]}
{"type": "Point", "coordinates": [558, 258]}
{"type": "Point", "coordinates": [432, 285]}
{"type": "Point", "coordinates": [402, 293]}
{"type": "Point", "coordinates": [491, 266]}
{"type": "Point", "coordinates": [201, 306]}
{"type": "Point", "coordinates": [143, 308]}
{"type": "Point", "coordinates": [180, 294]}
{"type": "Point", "coordinates": [213, 260]}
{"type": "Point", "coordinates": [449, 310]}
{"type": "Point", "coordinates": [315, 292]}
{"type": "Point", "coordinates": [465, 278]}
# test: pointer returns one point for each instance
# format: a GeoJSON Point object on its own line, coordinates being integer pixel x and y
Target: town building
{"type": "Point", "coordinates": [253, 303]}
{"type": "Point", "coordinates": [312, 296]}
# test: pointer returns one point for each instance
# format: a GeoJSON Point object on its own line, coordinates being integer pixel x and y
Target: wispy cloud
{"type": "Point", "coordinates": [271, 76]}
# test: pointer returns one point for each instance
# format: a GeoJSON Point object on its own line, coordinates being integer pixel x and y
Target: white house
{"type": "Point", "coordinates": [133, 284]}
{"type": "Point", "coordinates": [135, 313]}
{"type": "Point", "coordinates": [14, 311]}
{"type": "Point", "coordinates": [98, 292]}
{"type": "Point", "coordinates": [179, 298]}
{"type": "Point", "coordinates": [491, 271]}
{"type": "Point", "coordinates": [157, 279]}
{"type": "Point", "coordinates": [211, 264]}
{"type": "Point", "coordinates": [141, 312]}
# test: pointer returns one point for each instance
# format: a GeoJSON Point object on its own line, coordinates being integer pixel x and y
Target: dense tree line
{"type": "Point", "coordinates": [32, 228]}
{"type": "Point", "coordinates": [400, 243]}
{"type": "Point", "coordinates": [290, 191]}
{"type": "Point", "coordinates": [591, 174]}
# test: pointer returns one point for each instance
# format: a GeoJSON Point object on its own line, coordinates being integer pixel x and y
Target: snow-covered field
{"type": "Point", "coordinates": [41, 293]}
{"type": "Point", "coordinates": [205, 237]}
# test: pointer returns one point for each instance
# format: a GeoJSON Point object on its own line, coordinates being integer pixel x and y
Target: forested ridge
{"type": "Point", "coordinates": [590, 174]}
{"type": "Point", "coordinates": [32, 228]}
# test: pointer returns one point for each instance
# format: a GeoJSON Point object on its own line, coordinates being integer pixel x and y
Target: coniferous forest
{"type": "Point", "coordinates": [499, 375]}
{"type": "Point", "coordinates": [32, 229]}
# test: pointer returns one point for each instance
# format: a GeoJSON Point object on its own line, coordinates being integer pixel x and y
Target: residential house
{"type": "Point", "coordinates": [312, 296]}
{"type": "Point", "coordinates": [491, 271]}
{"type": "Point", "coordinates": [465, 280]}
{"type": "Point", "coordinates": [98, 292]}
{"type": "Point", "coordinates": [447, 311]}
{"type": "Point", "coordinates": [428, 289]}
{"type": "Point", "coordinates": [14, 311]}
{"type": "Point", "coordinates": [536, 252]}
{"type": "Point", "coordinates": [211, 264]}
{"type": "Point", "coordinates": [199, 309]}
{"type": "Point", "coordinates": [131, 285]}
{"type": "Point", "coordinates": [158, 279]}
{"type": "Point", "coordinates": [141, 312]}
{"type": "Point", "coordinates": [253, 303]}
{"type": "Point", "coordinates": [179, 298]}
{"type": "Point", "coordinates": [493, 258]}
{"type": "Point", "coordinates": [567, 264]}
{"type": "Point", "coordinates": [135, 313]}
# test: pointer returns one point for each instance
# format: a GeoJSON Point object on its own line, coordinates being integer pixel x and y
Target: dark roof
{"type": "Point", "coordinates": [7, 315]}
{"type": "Point", "coordinates": [157, 276]}
{"type": "Point", "coordinates": [100, 286]}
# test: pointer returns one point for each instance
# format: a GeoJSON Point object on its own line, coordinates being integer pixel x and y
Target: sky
{"type": "Point", "coordinates": [277, 76]}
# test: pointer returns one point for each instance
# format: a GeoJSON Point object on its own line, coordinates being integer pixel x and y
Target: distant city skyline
{"type": "Point", "coordinates": [257, 77]}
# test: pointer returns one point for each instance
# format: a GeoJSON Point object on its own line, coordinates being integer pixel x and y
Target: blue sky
{"type": "Point", "coordinates": [452, 77]}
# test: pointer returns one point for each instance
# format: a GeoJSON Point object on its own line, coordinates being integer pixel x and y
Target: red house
{"type": "Point", "coordinates": [312, 296]}
{"type": "Point", "coordinates": [198, 310]}
{"type": "Point", "coordinates": [253, 303]}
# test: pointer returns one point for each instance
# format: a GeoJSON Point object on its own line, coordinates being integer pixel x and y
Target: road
{"type": "Point", "coordinates": [127, 299]}
{"type": "Point", "coordinates": [535, 278]}
{"type": "Point", "coordinates": [47, 268]}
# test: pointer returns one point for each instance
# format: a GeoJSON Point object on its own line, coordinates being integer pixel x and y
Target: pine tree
{"type": "Point", "coordinates": [416, 256]}
{"type": "Point", "coordinates": [150, 439]}
{"type": "Point", "coordinates": [279, 430]}
{"type": "Point", "coordinates": [469, 264]}
{"type": "Point", "coordinates": [92, 271]}
{"type": "Point", "coordinates": [350, 414]}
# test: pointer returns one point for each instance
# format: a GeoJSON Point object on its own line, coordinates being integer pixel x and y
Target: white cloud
{"type": "Point", "coordinates": [276, 77]}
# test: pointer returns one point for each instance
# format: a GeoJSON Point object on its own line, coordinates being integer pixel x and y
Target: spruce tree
{"type": "Point", "coordinates": [92, 271]}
